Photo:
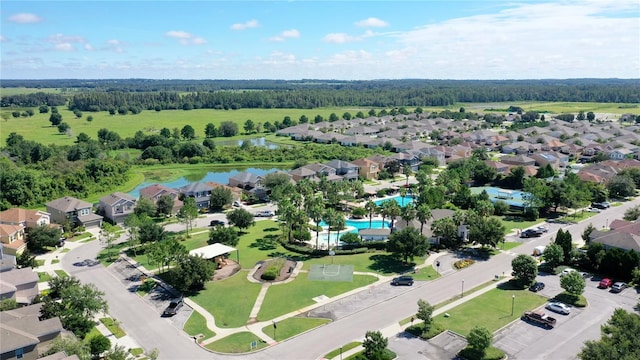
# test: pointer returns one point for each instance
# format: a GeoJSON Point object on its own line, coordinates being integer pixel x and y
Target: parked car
{"type": "Point", "coordinates": [531, 233]}
{"type": "Point", "coordinates": [236, 204]}
{"type": "Point", "coordinates": [402, 280]}
{"type": "Point", "coordinates": [558, 307]}
{"type": "Point", "coordinates": [173, 307]}
{"type": "Point", "coordinates": [605, 283]}
{"type": "Point", "coordinates": [539, 317]}
{"type": "Point", "coordinates": [542, 228]}
{"type": "Point", "coordinates": [601, 205]}
{"type": "Point", "coordinates": [585, 275]}
{"type": "Point", "coordinates": [265, 213]}
{"type": "Point", "coordinates": [216, 223]}
{"type": "Point", "coordinates": [618, 287]}
{"type": "Point", "coordinates": [536, 286]}
{"type": "Point", "coordinates": [592, 209]}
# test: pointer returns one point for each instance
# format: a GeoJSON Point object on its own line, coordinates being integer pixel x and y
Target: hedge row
{"type": "Point", "coordinates": [273, 269]}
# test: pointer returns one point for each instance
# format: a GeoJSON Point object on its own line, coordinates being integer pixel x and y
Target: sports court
{"type": "Point", "coordinates": [331, 272]}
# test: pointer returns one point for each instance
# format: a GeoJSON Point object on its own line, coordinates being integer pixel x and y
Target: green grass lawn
{"type": "Point", "coordinates": [43, 276]}
{"type": "Point", "coordinates": [94, 331]}
{"type": "Point", "coordinates": [491, 310]}
{"type": "Point", "coordinates": [136, 351]}
{"type": "Point", "coordinates": [514, 222]}
{"type": "Point", "coordinates": [230, 300]}
{"type": "Point", "coordinates": [61, 273]}
{"type": "Point", "coordinates": [55, 261]}
{"type": "Point", "coordinates": [113, 326]}
{"type": "Point", "coordinates": [342, 349]}
{"type": "Point", "coordinates": [508, 245]}
{"type": "Point", "coordinates": [236, 343]}
{"type": "Point", "coordinates": [426, 273]}
{"type": "Point", "coordinates": [197, 325]}
{"type": "Point", "coordinates": [292, 326]}
{"type": "Point", "coordinates": [285, 298]}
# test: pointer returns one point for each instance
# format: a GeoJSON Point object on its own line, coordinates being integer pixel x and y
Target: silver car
{"type": "Point", "coordinates": [558, 307]}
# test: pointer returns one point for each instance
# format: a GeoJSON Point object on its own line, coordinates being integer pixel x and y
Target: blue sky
{"type": "Point", "coordinates": [350, 40]}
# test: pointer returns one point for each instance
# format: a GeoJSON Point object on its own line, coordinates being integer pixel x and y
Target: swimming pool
{"type": "Point", "coordinates": [364, 224]}
{"type": "Point", "coordinates": [511, 197]}
{"type": "Point", "coordinates": [402, 201]}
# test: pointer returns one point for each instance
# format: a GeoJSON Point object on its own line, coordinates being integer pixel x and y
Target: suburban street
{"type": "Point", "coordinates": [144, 324]}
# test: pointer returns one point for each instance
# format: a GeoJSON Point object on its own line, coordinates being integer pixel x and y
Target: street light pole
{"type": "Point", "coordinates": [462, 288]}
{"type": "Point", "coordinates": [513, 301]}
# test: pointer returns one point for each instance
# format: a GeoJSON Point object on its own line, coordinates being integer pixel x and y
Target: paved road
{"type": "Point", "coordinates": [138, 319]}
{"type": "Point", "coordinates": [143, 323]}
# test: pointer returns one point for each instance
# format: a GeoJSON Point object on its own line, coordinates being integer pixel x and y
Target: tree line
{"type": "Point", "coordinates": [105, 95]}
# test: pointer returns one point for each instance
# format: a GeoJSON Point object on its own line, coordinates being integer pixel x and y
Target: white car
{"type": "Point", "coordinates": [558, 307]}
{"type": "Point", "coordinates": [265, 213]}
{"type": "Point", "coordinates": [592, 209]}
{"type": "Point", "coordinates": [567, 271]}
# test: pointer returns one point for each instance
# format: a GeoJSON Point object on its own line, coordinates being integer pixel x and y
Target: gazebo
{"type": "Point", "coordinates": [215, 252]}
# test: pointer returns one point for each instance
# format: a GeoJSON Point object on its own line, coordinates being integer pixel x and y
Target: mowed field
{"type": "Point", "coordinates": [38, 127]}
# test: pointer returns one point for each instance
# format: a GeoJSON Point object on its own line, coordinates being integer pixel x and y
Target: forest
{"type": "Point", "coordinates": [113, 95]}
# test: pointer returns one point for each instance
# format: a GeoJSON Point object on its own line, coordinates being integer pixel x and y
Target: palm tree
{"type": "Point", "coordinates": [315, 208]}
{"type": "Point", "coordinates": [406, 169]}
{"type": "Point", "coordinates": [371, 207]}
{"type": "Point", "coordinates": [408, 213]}
{"type": "Point", "coordinates": [403, 194]}
{"type": "Point", "coordinates": [286, 212]}
{"type": "Point", "coordinates": [393, 210]}
{"type": "Point", "coordinates": [339, 223]}
{"type": "Point", "coordinates": [423, 213]}
{"type": "Point", "coordinates": [329, 217]}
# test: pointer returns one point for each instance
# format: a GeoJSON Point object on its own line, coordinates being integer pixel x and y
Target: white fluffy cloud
{"type": "Point", "coordinates": [246, 25]}
{"type": "Point", "coordinates": [287, 34]}
{"type": "Point", "coordinates": [185, 38]}
{"type": "Point", "coordinates": [339, 38]}
{"type": "Point", "coordinates": [372, 22]}
{"type": "Point", "coordinates": [25, 18]}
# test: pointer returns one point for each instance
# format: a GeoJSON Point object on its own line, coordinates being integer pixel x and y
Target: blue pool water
{"type": "Point", "coordinates": [363, 224]}
{"type": "Point", "coordinates": [402, 201]}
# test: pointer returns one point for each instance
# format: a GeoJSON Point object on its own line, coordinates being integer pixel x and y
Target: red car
{"type": "Point", "coordinates": [605, 283]}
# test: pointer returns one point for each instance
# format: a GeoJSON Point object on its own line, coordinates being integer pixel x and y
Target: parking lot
{"type": "Point", "coordinates": [522, 340]}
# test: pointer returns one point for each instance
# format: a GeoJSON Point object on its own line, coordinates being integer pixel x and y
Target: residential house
{"type": "Point", "coordinates": [12, 239]}
{"type": "Point", "coordinates": [620, 153]}
{"type": "Point", "coordinates": [117, 206]}
{"type": "Point", "coordinates": [624, 235]}
{"type": "Point", "coordinates": [245, 180]}
{"type": "Point", "coordinates": [303, 173]}
{"type": "Point", "coordinates": [155, 191]}
{"type": "Point", "coordinates": [20, 285]}
{"type": "Point", "coordinates": [345, 169]}
{"type": "Point", "coordinates": [24, 335]}
{"type": "Point", "coordinates": [518, 160]}
{"type": "Point", "coordinates": [24, 217]}
{"type": "Point", "coordinates": [201, 193]}
{"type": "Point", "coordinates": [367, 169]}
{"type": "Point", "coordinates": [360, 130]}
{"type": "Point", "coordinates": [501, 168]}
{"type": "Point", "coordinates": [544, 159]}
{"type": "Point", "coordinates": [597, 173]}
{"type": "Point", "coordinates": [430, 152]}
{"type": "Point", "coordinates": [7, 262]}
{"type": "Point", "coordinates": [321, 170]}
{"type": "Point", "coordinates": [76, 212]}
{"type": "Point", "coordinates": [236, 193]}
{"type": "Point", "coordinates": [381, 160]}
{"type": "Point", "coordinates": [60, 356]}
{"type": "Point", "coordinates": [328, 138]}
{"type": "Point", "coordinates": [406, 159]}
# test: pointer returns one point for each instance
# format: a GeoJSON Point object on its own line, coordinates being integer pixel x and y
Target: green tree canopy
{"type": "Point", "coordinates": [191, 273]}
{"type": "Point", "coordinates": [241, 218]}
{"type": "Point", "coordinates": [573, 283]}
{"type": "Point", "coordinates": [619, 339]}
{"type": "Point", "coordinates": [525, 269]}
{"type": "Point", "coordinates": [407, 243]}
{"type": "Point", "coordinates": [553, 255]}
{"type": "Point", "coordinates": [224, 235]}
{"type": "Point", "coordinates": [220, 198]}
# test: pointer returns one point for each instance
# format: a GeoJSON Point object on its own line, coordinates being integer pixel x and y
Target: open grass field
{"type": "Point", "coordinates": [11, 91]}
{"type": "Point", "coordinates": [39, 129]}
{"type": "Point", "coordinates": [237, 343]}
{"type": "Point", "coordinates": [197, 325]}
{"type": "Point", "coordinates": [284, 298]}
{"type": "Point", "coordinates": [292, 327]}
{"type": "Point", "coordinates": [491, 310]}
{"type": "Point", "coordinates": [229, 300]}
{"type": "Point", "coordinates": [378, 262]}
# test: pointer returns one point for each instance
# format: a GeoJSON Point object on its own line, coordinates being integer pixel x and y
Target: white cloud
{"type": "Point", "coordinates": [185, 38]}
{"type": "Point", "coordinates": [292, 33]}
{"type": "Point", "coordinates": [25, 18]}
{"type": "Point", "coordinates": [246, 25]}
{"type": "Point", "coordinates": [3, 39]}
{"type": "Point", "coordinates": [372, 22]}
{"type": "Point", "coordinates": [350, 57]}
{"type": "Point", "coordinates": [88, 47]}
{"type": "Point", "coordinates": [280, 58]}
{"type": "Point", "coordinates": [64, 47]}
{"type": "Point", "coordinates": [339, 38]}
{"type": "Point", "coordinates": [61, 38]}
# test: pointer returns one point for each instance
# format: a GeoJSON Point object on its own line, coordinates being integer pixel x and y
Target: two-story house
{"type": "Point", "coordinates": [24, 335]}
{"type": "Point", "coordinates": [201, 192]}
{"type": "Point", "coordinates": [12, 239]}
{"type": "Point", "coordinates": [155, 191]}
{"type": "Point", "coordinates": [74, 211]}
{"type": "Point", "coordinates": [117, 206]}
{"type": "Point", "coordinates": [368, 169]}
{"type": "Point", "coordinates": [26, 218]}
{"type": "Point", "coordinates": [347, 170]}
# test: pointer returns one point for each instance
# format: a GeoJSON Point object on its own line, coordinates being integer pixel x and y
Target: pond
{"type": "Point", "coordinates": [221, 177]}
{"type": "Point", "coordinates": [254, 141]}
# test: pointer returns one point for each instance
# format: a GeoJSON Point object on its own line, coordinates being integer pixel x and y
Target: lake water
{"type": "Point", "coordinates": [255, 142]}
{"type": "Point", "coordinates": [218, 177]}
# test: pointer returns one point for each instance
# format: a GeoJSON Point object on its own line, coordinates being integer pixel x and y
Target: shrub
{"type": "Point", "coordinates": [273, 269]}
{"type": "Point", "coordinates": [461, 264]}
